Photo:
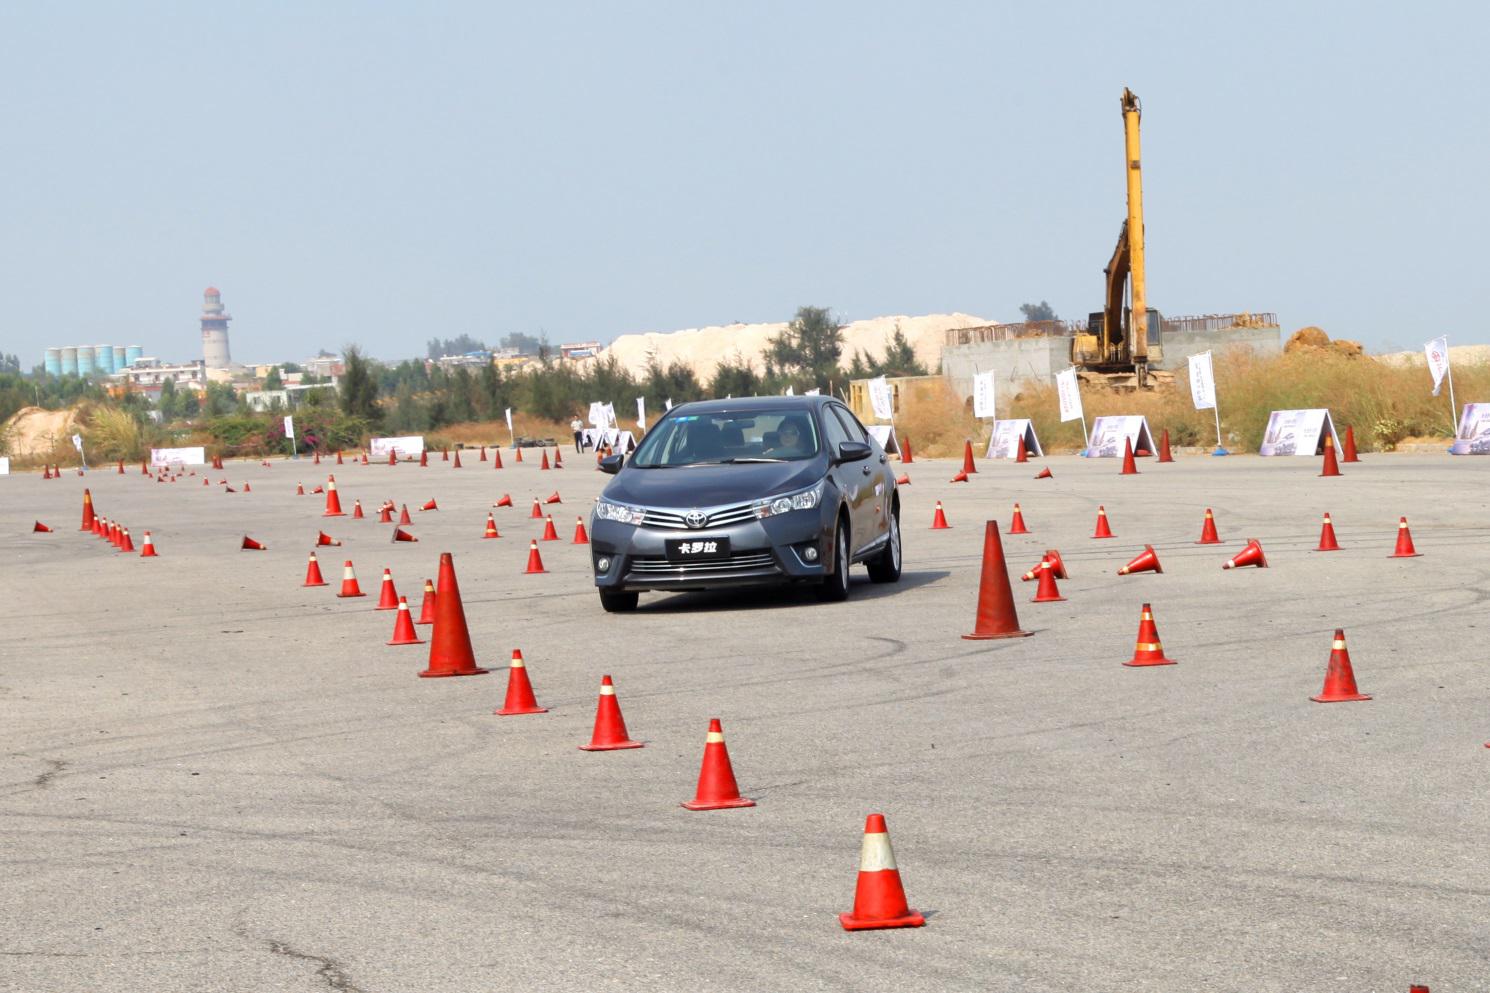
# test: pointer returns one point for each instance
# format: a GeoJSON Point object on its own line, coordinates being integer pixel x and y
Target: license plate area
{"type": "Point", "coordinates": [701, 549]}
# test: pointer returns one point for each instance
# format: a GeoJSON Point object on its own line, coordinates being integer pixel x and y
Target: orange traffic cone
{"type": "Point", "coordinates": [450, 643]}
{"type": "Point", "coordinates": [403, 627]}
{"type": "Point", "coordinates": [40, 528]}
{"type": "Point", "coordinates": [520, 699]}
{"type": "Point", "coordinates": [483, 453]}
{"type": "Point", "coordinates": [387, 596]}
{"type": "Point", "coordinates": [496, 458]}
{"type": "Point", "coordinates": [968, 465]}
{"type": "Point", "coordinates": [403, 515]}
{"type": "Point", "coordinates": [535, 561]}
{"type": "Point", "coordinates": [392, 457]}
{"type": "Point", "coordinates": [558, 458]}
{"type": "Point", "coordinates": [544, 464]}
{"type": "Point", "coordinates": [1327, 542]}
{"type": "Point", "coordinates": [333, 502]}
{"type": "Point", "coordinates": [879, 896]}
{"type": "Point", "coordinates": [1130, 468]}
{"type": "Point", "coordinates": [1251, 555]}
{"type": "Point", "coordinates": [431, 505]}
{"type": "Point", "coordinates": [1148, 650]}
{"type": "Point", "coordinates": [385, 514]}
{"type": "Point", "coordinates": [323, 539]}
{"type": "Point", "coordinates": [254, 546]}
{"type": "Point", "coordinates": [1339, 677]}
{"type": "Point", "coordinates": [312, 572]}
{"type": "Point", "coordinates": [1103, 530]}
{"type": "Point", "coordinates": [517, 454]}
{"type": "Point", "coordinates": [491, 527]}
{"type": "Point", "coordinates": [581, 536]}
{"type": "Point", "coordinates": [247, 488]}
{"type": "Point", "coordinates": [906, 458]}
{"type": "Point", "coordinates": [717, 789]}
{"type": "Point", "coordinates": [903, 480]}
{"type": "Point", "coordinates": [549, 534]}
{"type": "Point", "coordinates": [610, 727]}
{"type": "Point", "coordinates": [88, 514]}
{"type": "Point", "coordinates": [961, 477]}
{"type": "Point", "coordinates": [1331, 466]}
{"type": "Point", "coordinates": [444, 455]}
{"type": "Point", "coordinates": [349, 587]}
{"type": "Point", "coordinates": [427, 608]}
{"type": "Point", "coordinates": [457, 459]}
{"type": "Point", "coordinates": [318, 489]}
{"type": "Point", "coordinates": [1057, 566]}
{"type": "Point", "coordinates": [1047, 591]}
{"type": "Point", "coordinates": [399, 534]}
{"type": "Point", "coordinates": [1016, 526]}
{"type": "Point", "coordinates": [1146, 561]}
{"type": "Point", "coordinates": [1023, 454]}
{"type": "Point", "coordinates": [1164, 454]}
{"type": "Point", "coordinates": [1405, 549]}
{"type": "Point", "coordinates": [357, 514]}
{"type": "Point", "coordinates": [147, 548]}
{"type": "Point", "coordinates": [537, 511]}
{"type": "Point", "coordinates": [1350, 452]}
{"type": "Point", "coordinates": [338, 456]}
{"type": "Point", "coordinates": [553, 498]}
{"type": "Point", "coordinates": [300, 489]}
{"type": "Point", "coordinates": [1043, 473]}
{"type": "Point", "coordinates": [125, 545]}
{"type": "Point", "coordinates": [996, 616]}
{"type": "Point", "coordinates": [506, 501]}
{"type": "Point", "coordinates": [121, 467]}
{"type": "Point", "coordinates": [939, 519]}
{"type": "Point", "coordinates": [1208, 535]}
{"type": "Point", "coordinates": [364, 458]}
{"type": "Point", "coordinates": [423, 458]}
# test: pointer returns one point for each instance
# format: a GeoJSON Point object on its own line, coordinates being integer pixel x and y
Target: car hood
{"type": "Point", "coordinates": [685, 487]}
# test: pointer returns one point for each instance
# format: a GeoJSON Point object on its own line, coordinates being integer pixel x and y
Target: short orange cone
{"type": "Point", "coordinates": [535, 561]}
{"type": "Point", "coordinates": [1016, 526]}
{"type": "Point", "coordinates": [968, 465]}
{"type": "Point", "coordinates": [1047, 591]}
{"type": "Point", "coordinates": [1103, 530]}
{"type": "Point", "coordinates": [610, 727]}
{"type": "Point", "coordinates": [517, 454]}
{"type": "Point", "coordinates": [385, 514]}
{"type": "Point", "coordinates": [544, 464]}
{"type": "Point", "coordinates": [558, 458]}
{"type": "Point", "coordinates": [879, 896]}
{"type": "Point", "coordinates": [491, 527]}
{"type": "Point", "coordinates": [506, 501]}
{"type": "Point", "coordinates": [450, 643]}
{"type": "Point", "coordinates": [1130, 468]}
{"type": "Point", "coordinates": [554, 498]}
{"type": "Point", "coordinates": [1023, 454]}
{"type": "Point", "coordinates": [357, 514]}
{"type": "Point", "coordinates": [333, 502]}
{"type": "Point", "coordinates": [939, 519]}
{"type": "Point", "coordinates": [457, 459]}
{"type": "Point", "coordinates": [1339, 677]}
{"type": "Point", "coordinates": [444, 455]}
{"type": "Point", "coordinates": [248, 488]}
{"type": "Point", "coordinates": [996, 615]}
{"type": "Point", "coordinates": [717, 789]}
{"type": "Point", "coordinates": [392, 457]}
{"type": "Point", "coordinates": [581, 536]}
{"type": "Point", "coordinates": [349, 587]}
{"type": "Point", "coordinates": [1404, 549]}
{"type": "Point", "coordinates": [1148, 650]}
{"type": "Point", "coordinates": [961, 477]}
{"type": "Point", "coordinates": [1249, 556]}
{"type": "Point", "coordinates": [483, 453]}
{"type": "Point", "coordinates": [427, 608]}
{"type": "Point", "coordinates": [431, 505]}
{"type": "Point", "coordinates": [1327, 542]}
{"type": "Point", "coordinates": [387, 596]}
{"type": "Point", "coordinates": [537, 511]}
{"type": "Point", "coordinates": [1350, 452]}
{"type": "Point", "coordinates": [40, 528]}
{"type": "Point", "coordinates": [496, 458]}
{"type": "Point", "coordinates": [403, 627]}
{"type": "Point", "coordinates": [338, 456]}
{"type": "Point", "coordinates": [313, 575]}
{"type": "Point", "coordinates": [254, 546]}
{"type": "Point", "coordinates": [403, 515]}
{"type": "Point", "coordinates": [323, 539]}
{"type": "Point", "coordinates": [1164, 453]}
{"type": "Point", "coordinates": [1331, 466]}
{"type": "Point", "coordinates": [1208, 535]}
{"type": "Point", "coordinates": [549, 534]}
{"type": "Point", "coordinates": [520, 699]}
{"type": "Point", "coordinates": [423, 458]}
{"type": "Point", "coordinates": [1043, 474]}
{"type": "Point", "coordinates": [147, 548]}
{"type": "Point", "coordinates": [125, 545]}
{"type": "Point", "coordinates": [300, 489]}
{"type": "Point", "coordinates": [906, 458]}
{"type": "Point", "coordinates": [1145, 561]}
{"type": "Point", "coordinates": [399, 534]}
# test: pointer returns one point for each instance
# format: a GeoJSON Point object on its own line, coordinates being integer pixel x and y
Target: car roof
{"type": "Point", "coordinates": [747, 405]}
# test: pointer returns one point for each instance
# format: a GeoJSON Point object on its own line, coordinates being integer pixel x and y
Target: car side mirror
{"type": "Point", "coordinates": [611, 464]}
{"type": "Point", "coordinates": [853, 451]}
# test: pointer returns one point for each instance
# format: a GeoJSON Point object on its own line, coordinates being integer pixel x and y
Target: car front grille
{"type": "Point", "coordinates": [672, 520]}
{"type": "Point", "coordinates": [657, 565]}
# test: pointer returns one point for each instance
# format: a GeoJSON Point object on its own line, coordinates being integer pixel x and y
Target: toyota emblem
{"type": "Point", "coordinates": [695, 519]}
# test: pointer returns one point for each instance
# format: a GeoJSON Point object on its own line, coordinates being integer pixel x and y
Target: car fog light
{"type": "Point", "coordinates": [810, 553]}
{"type": "Point", "coordinates": [602, 565]}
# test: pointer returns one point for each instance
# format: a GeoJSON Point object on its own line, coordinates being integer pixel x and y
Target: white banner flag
{"type": "Point", "coordinates": [1437, 351]}
{"type": "Point", "coordinates": [289, 427]}
{"type": "Point", "coordinates": [1202, 381]}
{"type": "Point", "coordinates": [812, 392]}
{"type": "Point", "coordinates": [610, 416]}
{"type": "Point", "coordinates": [1065, 384]}
{"type": "Point", "coordinates": [77, 442]}
{"type": "Point", "coordinates": [509, 419]}
{"type": "Point", "coordinates": [668, 404]}
{"type": "Point", "coordinates": [790, 392]}
{"type": "Point", "coordinates": [641, 413]}
{"type": "Point", "coordinates": [983, 395]}
{"type": "Point", "coordinates": [880, 398]}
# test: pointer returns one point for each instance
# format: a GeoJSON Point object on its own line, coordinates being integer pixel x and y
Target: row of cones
{"type": "Point", "coordinates": [112, 531]}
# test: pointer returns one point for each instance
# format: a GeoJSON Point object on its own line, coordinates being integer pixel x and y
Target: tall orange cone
{"type": "Point", "coordinates": [906, 458]}
{"type": "Point", "coordinates": [1043, 473]}
{"type": "Point", "coordinates": [444, 455]}
{"type": "Point", "coordinates": [879, 896]}
{"type": "Point", "coordinates": [40, 528]}
{"type": "Point", "coordinates": [387, 596]}
{"type": "Point", "coordinates": [610, 727]}
{"type": "Point", "coordinates": [1327, 542]}
{"type": "Point", "coordinates": [491, 527]}
{"type": "Point", "coordinates": [427, 608]}
{"type": "Point", "coordinates": [996, 617]}
{"type": "Point", "coordinates": [537, 511]}
{"type": "Point", "coordinates": [357, 514]}
{"type": "Point", "coordinates": [544, 464]}
{"type": "Point", "coordinates": [1350, 452]}
{"type": "Point", "coordinates": [1047, 591]}
{"type": "Point", "coordinates": [961, 477]}
{"type": "Point", "coordinates": [968, 465]}
{"type": "Point", "coordinates": [939, 519]}
{"type": "Point", "coordinates": [1016, 526]}
{"type": "Point", "coordinates": [147, 548]}
{"type": "Point", "coordinates": [431, 505]}
{"type": "Point", "coordinates": [125, 545]}
{"type": "Point", "coordinates": [520, 699]}
{"type": "Point", "coordinates": [392, 457]}
{"type": "Point", "coordinates": [549, 534]}
{"type": "Point", "coordinates": [313, 575]}
{"type": "Point", "coordinates": [1208, 535]}
{"type": "Point", "coordinates": [535, 561]}
{"type": "Point", "coordinates": [423, 458]}
{"type": "Point", "coordinates": [581, 536]}
{"type": "Point", "coordinates": [88, 514]}
{"type": "Point", "coordinates": [496, 458]}
{"type": "Point", "coordinates": [1331, 466]}
{"type": "Point", "coordinates": [506, 501]}
{"type": "Point", "coordinates": [1148, 650]}
{"type": "Point", "coordinates": [251, 545]}
{"type": "Point", "coordinates": [517, 454]}
{"type": "Point", "coordinates": [553, 498]}
{"type": "Point", "coordinates": [399, 534]}
{"type": "Point", "coordinates": [483, 453]}
{"type": "Point", "coordinates": [349, 587]}
{"type": "Point", "coordinates": [1248, 556]}
{"type": "Point", "coordinates": [717, 789]}
{"type": "Point", "coordinates": [1339, 677]}
{"type": "Point", "coordinates": [558, 458]}
{"type": "Point", "coordinates": [456, 465]}
{"type": "Point", "coordinates": [1404, 549]}
{"type": "Point", "coordinates": [1145, 561]}
{"type": "Point", "coordinates": [333, 502]}
{"type": "Point", "coordinates": [1023, 454]}
{"type": "Point", "coordinates": [323, 539]}
{"type": "Point", "coordinates": [1164, 454]}
{"type": "Point", "coordinates": [403, 627]}
{"type": "Point", "coordinates": [1103, 530]}
{"type": "Point", "coordinates": [338, 456]}
{"type": "Point", "coordinates": [1130, 468]}
{"type": "Point", "coordinates": [450, 643]}
{"type": "Point", "coordinates": [403, 515]}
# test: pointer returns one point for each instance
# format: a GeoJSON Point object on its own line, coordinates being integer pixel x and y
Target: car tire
{"type": "Point", "coordinates": [835, 583]}
{"type": "Point", "coordinates": [885, 567]}
{"type": "Point", "coordinates": [619, 603]}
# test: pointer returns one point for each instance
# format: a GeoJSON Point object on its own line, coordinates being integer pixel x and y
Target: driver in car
{"type": "Point", "coordinates": [791, 440]}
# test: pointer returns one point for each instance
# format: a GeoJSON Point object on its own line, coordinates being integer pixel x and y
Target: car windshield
{"type": "Point", "coordinates": [712, 439]}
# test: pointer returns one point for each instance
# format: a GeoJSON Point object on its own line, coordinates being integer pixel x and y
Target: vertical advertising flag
{"type": "Point", "coordinates": [983, 395]}
{"type": "Point", "coordinates": [641, 413]}
{"type": "Point", "coordinates": [880, 399]}
{"type": "Point", "coordinates": [290, 427]}
{"type": "Point", "coordinates": [668, 404]}
{"type": "Point", "coordinates": [790, 392]}
{"type": "Point", "coordinates": [1437, 351]}
{"type": "Point", "coordinates": [1202, 381]}
{"type": "Point", "coordinates": [509, 420]}
{"type": "Point", "coordinates": [1065, 384]}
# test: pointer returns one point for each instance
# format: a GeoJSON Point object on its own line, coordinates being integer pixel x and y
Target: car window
{"type": "Point", "coordinates": [729, 436]}
{"type": "Point", "coordinates": [834, 430]}
{"type": "Point", "coordinates": [851, 423]}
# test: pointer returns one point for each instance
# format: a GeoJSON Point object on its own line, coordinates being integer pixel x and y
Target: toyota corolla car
{"type": "Point", "coordinates": [752, 492]}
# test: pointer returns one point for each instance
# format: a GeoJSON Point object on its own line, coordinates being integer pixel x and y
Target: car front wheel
{"type": "Point", "coordinates": [618, 603]}
{"type": "Point", "coordinates": [835, 584]}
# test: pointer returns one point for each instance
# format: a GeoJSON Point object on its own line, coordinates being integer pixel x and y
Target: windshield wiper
{"type": "Point", "coordinates": [750, 458]}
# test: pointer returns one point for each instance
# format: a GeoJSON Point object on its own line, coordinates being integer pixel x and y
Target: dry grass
{"type": "Point", "coordinates": [937, 422]}
{"type": "Point", "coordinates": [473, 434]}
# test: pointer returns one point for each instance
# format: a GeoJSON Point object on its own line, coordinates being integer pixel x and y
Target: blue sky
{"type": "Point", "coordinates": [385, 173]}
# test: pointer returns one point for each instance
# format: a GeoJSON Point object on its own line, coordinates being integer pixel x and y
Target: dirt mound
{"type": "Point", "coordinates": [34, 431]}
{"type": "Point", "coordinates": [1314, 338]}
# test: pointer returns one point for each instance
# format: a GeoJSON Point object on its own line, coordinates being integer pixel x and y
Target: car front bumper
{"type": "Point", "coordinates": [762, 553]}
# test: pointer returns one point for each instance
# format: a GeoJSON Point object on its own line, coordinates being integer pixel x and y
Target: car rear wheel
{"type": "Point", "coordinates": [835, 584]}
{"type": "Point", "coordinates": [618, 603]}
{"type": "Point", "coordinates": [885, 567]}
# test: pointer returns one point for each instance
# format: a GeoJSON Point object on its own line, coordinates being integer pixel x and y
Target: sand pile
{"type": "Point", "coordinates": [34, 431]}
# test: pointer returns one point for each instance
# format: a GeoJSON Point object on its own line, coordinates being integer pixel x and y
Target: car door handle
{"type": "Point", "coordinates": [867, 470]}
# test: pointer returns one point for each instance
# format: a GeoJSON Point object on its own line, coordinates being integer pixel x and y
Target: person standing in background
{"type": "Point", "coordinates": [578, 427]}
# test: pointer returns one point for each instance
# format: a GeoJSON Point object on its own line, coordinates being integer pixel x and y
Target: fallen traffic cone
{"type": "Point", "coordinates": [349, 586]}
{"type": "Point", "coordinates": [147, 548]}
{"type": "Point", "coordinates": [1103, 530]}
{"type": "Point", "coordinates": [1130, 468]}
{"type": "Point", "coordinates": [553, 498]}
{"type": "Point", "coordinates": [996, 616]}
{"type": "Point", "coordinates": [1023, 454]}
{"type": "Point", "coordinates": [491, 527]}
{"type": "Point", "coordinates": [323, 539]}
{"type": "Point", "coordinates": [1164, 453]}
{"type": "Point", "coordinates": [1350, 452]}
{"type": "Point", "coordinates": [1339, 677]}
{"type": "Point", "coordinates": [904, 480]}
{"type": "Point", "coordinates": [427, 608]}
{"type": "Point", "coordinates": [450, 643]}
{"type": "Point", "coordinates": [535, 561]}
{"type": "Point", "coordinates": [520, 699]}
{"type": "Point", "coordinates": [1251, 555]}
{"type": "Point", "coordinates": [906, 458]}
{"type": "Point", "coordinates": [961, 477]}
{"type": "Point", "coordinates": [357, 510]}
{"type": "Point", "coordinates": [717, 789]}
{"type": "Point", "coordinates": [387, 595]}
{"type": "Point", "coordinates": [968, 465]}
{"type": "Point", "coordinates": [1057, 566]}
{"type": "Point", "coordinates": [254, 546]}
{"type": "Point", "coordinates": [399, 534]}
{"type": "Point", "coordinates": [1016, 526]}
{"type": "Point", "coordinates": [1047, 591]}
{"type": "Point", "coordinates": [40, 528]}
{"type": "Point", "coordinates": [939, 519]}
{"type": "Point", "coordinates": [537, 511]}
{"type": "Point", "coordinates": [1331, 467]}
{"type": "Point", "coordinates": [1404, 549]}
{"type": "Point", "coordinates": [403, 515]}
{"type": "Point", "coordinates": [879, 897]}
{"type": "Point", "coordinates": [496, 458]}
{"type": "Point", "coordinates": [1327, 542]}
{"type": "Point", "coordinates": [318, 489]}
{"type": "Point", "coordinates": [1043, 473]}
{"type": "Point", "coordinates": [88, 514]}
{"type": "Point", "coordinates": [1148, 651]}
{"type": "Point", "coordinates": [544, 464]}
{"type": "Point", "coordinates": [1146, 561]}
{"type": "Point", "coordinates": [549, 534]}
{"type": "Point", "coordinates": [457, 459]}
{"type": "Point", "coordinates": [313, 572]}
{"type": "Point", "coordinates": [403, 627]}
{"type": "Point", "coordinates": [581, 536]}
{"type": "Point", "coordinates": [1208, 535]}
{"type": "Point", "coordinates": [431, 505]}
{"type": "Point", "coordinates": [506, 501]}
{"type": "Point", "coordinates": [610, 727]}
{"type": "Point", "coordinates": [125, 545]}
{"type": "Point", "coordinates": [333, 502]}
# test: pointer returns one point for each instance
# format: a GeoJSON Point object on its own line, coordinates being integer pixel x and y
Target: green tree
{"type": "Point", "coordinates": [1041, 311]}
{"type": "Point", "coordinates": [221, 400]}
{"type": "Point", "coordinates": [525, 344]}
{"type": "Point", "coordinates": [274, 381]}
{"type": "Point", "coordinates": [810, 346]}
{"type": "Point", "coordinates": [734, 377]}
{"type": "Point", "coordinates": [190, 404]}
{"type": "Point", "coordinates": [358, 389]}
{"type": "Point", "coordinates": [459, 345]}
{"type": "Point", "coordinates": [493, 392]}
{"type": "Point", "coordinates": [169, 403]}
{"type": "Point", "coordinates": [10, 363]}
{"type": "Point", "coordinates": [900, 358]}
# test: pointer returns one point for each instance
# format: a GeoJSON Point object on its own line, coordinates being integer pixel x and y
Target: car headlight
{"type": "Point", "coordinates": [806, 499]}
{"type": "Point", "coordinates": [607, 511]}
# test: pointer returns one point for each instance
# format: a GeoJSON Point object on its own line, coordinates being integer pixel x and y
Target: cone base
{"type": "Point", "coordinates": [504, 712]}
{"type": "Point", "coordinates": [1408, 555]}
{"type": "Point", "coordinates": [717, 804]}
{"type": "Point", "coordinates": [1136, 662]}
{"type": "Point", "coordinates": [1336, 548]}
{"type": "Point", "coordinates": [413, 641]}
{"type": "Point", "coordinates": [610, 748]}
{"type": "Point", "coordinates": [350, 596]}
{"type": "Point", "coordinates": [337, 514]}
{"type": "Point", "coordinates": [1218, 541]}
{"type": "Point", "coordinates": [1095, 536]}
{"type": "Point", "coordinates": [431, 674]}
{"type": "Point", "coordinates": [1047, 599]}
{"type": "Point", "coordinates": [1340, 699]}
{"type": "Point", "coordinates": [975, 636]}
{"type": "Point", "coordinates": [534, 572]}
{"type": "Point", "coordinates": [302, 584]}
{"type": "Point", "coordinates": [913, 919]}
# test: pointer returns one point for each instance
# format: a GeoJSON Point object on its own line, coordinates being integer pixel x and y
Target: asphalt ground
{"type": "Point", "coordinates": [215, 779]}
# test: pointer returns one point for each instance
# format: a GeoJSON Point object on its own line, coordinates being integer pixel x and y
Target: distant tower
{"type": "Point", "coordinates": [215, 330]}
